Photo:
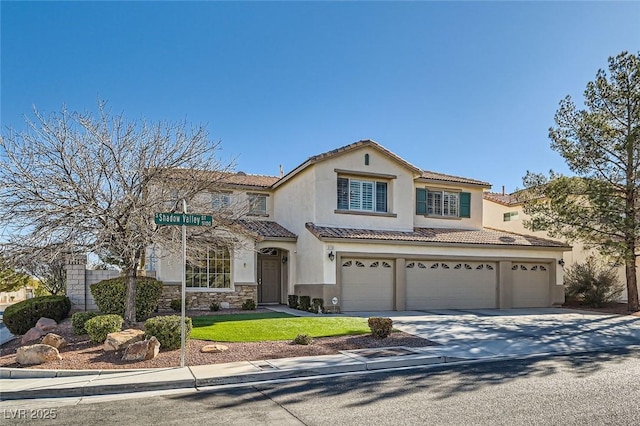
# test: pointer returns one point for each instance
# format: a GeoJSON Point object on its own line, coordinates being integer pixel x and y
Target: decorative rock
{"type": "Point", "coordinates": [214, 349]}
{"type": "Point", "coordinates": [36, 354]}
{"type": "Point", "coordinates": [122, 339]}
{"type": "Point", "coordinates": [54, 340]}
{"type": "Point", "coordinates": [46, 324]}
{"type": "Point", "coordinates": [34, 333]}
{"type": "Point", "coordinates": [142, 351]}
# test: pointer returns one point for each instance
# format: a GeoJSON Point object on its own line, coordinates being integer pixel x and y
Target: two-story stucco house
{"type": "Point", "coordinates": [361, 224]}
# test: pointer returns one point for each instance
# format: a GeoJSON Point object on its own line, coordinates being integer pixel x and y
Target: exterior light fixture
{"type": "Point", "coordinates": [284, 259]}
{"type": "Point", "coordinates": [331, 256]}
{"type": "Point", "coordinates": [561, 262]}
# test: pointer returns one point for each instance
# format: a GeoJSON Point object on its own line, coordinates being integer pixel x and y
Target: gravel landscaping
{"type": "Point", "coordinates": [82, 354]}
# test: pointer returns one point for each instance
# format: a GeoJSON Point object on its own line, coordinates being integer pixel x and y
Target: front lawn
{"type": "Point", "coordinates": [273, 326]}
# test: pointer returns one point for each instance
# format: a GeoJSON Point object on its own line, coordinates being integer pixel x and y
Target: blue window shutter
{"type": "Point", "coordinates": [465, 204]}
{"type": "Point", "coordinates": [421, 201]}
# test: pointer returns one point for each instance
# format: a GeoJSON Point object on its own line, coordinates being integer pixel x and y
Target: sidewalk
{"type": "Point", "coordinates": [465, 337]}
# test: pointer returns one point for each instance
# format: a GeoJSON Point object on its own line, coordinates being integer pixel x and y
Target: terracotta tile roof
{"type": "Point", "coordinates": [504, 199]}
{"type": "Point", "coordinates": [227, 178]}
{"type": "Point", "coordinates": [266, 229]}
{"type": "Point", "coordinates": [450, 178]}
{"type": "Point", "coordinates": [244, 179]}
{"type": "Point", "coordinates": [486, 236]}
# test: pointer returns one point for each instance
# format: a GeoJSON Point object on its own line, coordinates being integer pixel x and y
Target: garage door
{"type": "Point", "coordinates": [367, 285]}
{"type": "Point", "coordinates": [436, 284]}
{"type": "Point", "coordinates": [530, 285]}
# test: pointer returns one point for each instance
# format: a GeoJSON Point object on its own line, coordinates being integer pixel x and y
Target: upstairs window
{"type": "Point", "coordinates": [220, 201]}
{"type": "Point", "coordinates": [510, 216]}
{"type": "Point", "coordinates": [362, 195]}
{"type": "Point", "coordinates": [443, 203]}
{"type": "Point", "coordinates": [257, 204]}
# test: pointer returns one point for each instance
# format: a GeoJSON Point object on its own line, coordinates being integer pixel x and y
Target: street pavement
{"type": "Point", "coordinates": [468, 336]}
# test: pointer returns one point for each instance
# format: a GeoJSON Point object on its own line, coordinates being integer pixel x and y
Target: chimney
{"type": "Point", "coordinates": [502, 189]}
{"type": "Point", "coordinates": [281, 171]}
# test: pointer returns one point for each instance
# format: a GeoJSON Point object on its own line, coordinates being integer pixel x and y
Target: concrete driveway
{"type": "Point", "coordinates": [488, 333]}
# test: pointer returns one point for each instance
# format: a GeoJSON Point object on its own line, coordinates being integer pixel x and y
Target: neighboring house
{"type": "Point", "coordinates": [361, 224]}
{"type": "Point", "coordinates": [504, 211]}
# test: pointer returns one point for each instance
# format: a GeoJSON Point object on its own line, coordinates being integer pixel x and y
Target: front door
{"type": "Point", "coordinates": [269, 278]}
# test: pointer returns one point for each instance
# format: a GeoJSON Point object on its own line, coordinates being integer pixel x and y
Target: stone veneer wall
{"type": "Point", "coordinates": [203, 299]}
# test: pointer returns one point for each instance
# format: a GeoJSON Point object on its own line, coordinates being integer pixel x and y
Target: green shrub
{"type": "Point", "coordinates": [21, 316]}
{"type": "Point", "coordinates": [110, 296]}
{"type": "Point", "coordinates": [98, 327]}
{"type": "Point", "coordinates": [168, 330]}
{"type": "Point", "coordinates": [249, 305]}
{"type": "Point", "coordinates": [293, 301]}
{"type": "Point", "coordinates": [305, 303]}
{"type": "Point", "coordinates": [380, 327]}
{"type": "Point", "coordinates": [176, 304]}
{"type": "Point", "coordinates": [215, 306]}
{"type": "Point", "coordinates": [592, 283]}
{"type": "Point", "coordinates": [303, 339]}
{"type": "Point", "coordinates": [79, 319]}
{"type": "Point", "coordinates": [318, 305]}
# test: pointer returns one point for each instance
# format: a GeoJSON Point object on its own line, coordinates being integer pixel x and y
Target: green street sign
{"type": "Point", "coordinates": [180, 219]}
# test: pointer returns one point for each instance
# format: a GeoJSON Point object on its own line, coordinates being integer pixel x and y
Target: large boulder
{"type": "Point", "coordinates": [214, 349]}
{"type": "Point", "coordinates": [122, 339]}
{"type": "Point", "coordinates": [142, 351]}
{"type": "Point", "coordinates": [36, 354]}
{"type": "Point", "coordinates": [46, 324]}
{"type": "Point", "coordinates": [34, 333]}
{"type": "Point", "coordinates": [54, 340]}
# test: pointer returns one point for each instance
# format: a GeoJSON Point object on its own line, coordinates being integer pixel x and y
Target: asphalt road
{"type": "Point", "coordinates": [590, 389]}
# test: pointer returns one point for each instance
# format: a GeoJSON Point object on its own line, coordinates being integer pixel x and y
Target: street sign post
{"type": "Point", "coordinates": [183, 219]}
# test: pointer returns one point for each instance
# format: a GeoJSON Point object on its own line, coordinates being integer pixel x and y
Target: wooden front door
{"type": "Point", "coordinates": [269, 278]}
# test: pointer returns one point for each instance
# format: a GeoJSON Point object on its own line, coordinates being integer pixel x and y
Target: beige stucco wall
{"type": "Point", "coordinates": [473, 222]}
{"type": "Point", "coordinates": [493, 218]}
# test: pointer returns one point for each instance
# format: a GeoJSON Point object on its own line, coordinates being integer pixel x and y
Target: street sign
{"type": "Point", "coordinates": [180, 219]}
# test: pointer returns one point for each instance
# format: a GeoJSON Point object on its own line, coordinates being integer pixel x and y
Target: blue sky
{"type": "Point", "coordinates": [466, 88]}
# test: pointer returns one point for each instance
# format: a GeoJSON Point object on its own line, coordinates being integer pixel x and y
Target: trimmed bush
{"type": "Point", "coordinates": [98, 327]}
{"type": "Point", "coordinates": [168, 330]}
{"type": "Point", "coordinates": [592, 283]}
{"type": "Point", "coordinates": [249, 305]}
{"type": "Point", "coordinates": [215, 306]}
{"type": "Point", "coordinates": [305, 303]}
{"type": "Point", "coordinates": [318, 305]}
{"type": "Point", "coordinates": [380, 327]}
{"type": "Point", "coordinates": [79, 319]}
{"type": "Point", "coordinates": [176, 304]}
{"type": "Point", "coordinates": [303, 339]}
{"type": "Point", "coordinates": [293, 301]}
{"type": "Point", "coordinates": [110, 296]}
{"type": "Point", "coordinates": [21, 316]}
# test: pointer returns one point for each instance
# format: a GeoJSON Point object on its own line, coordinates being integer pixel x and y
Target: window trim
{"type": "Point", "coordinates": [346, 189]}
{"type": "Point", "coordinates": [208, 273]}
{"type": "Point", "coordinates": [252, 211]}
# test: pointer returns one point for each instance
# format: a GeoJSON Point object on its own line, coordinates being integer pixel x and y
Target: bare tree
{"type": "Point", "coordinates": [92, 183]}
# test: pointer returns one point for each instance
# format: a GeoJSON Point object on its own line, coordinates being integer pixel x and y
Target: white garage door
{"type": "Point", "coordinates": [530, 285]}
{"type": "Point", "coordinates": [367, 285]}
{"type": "Point", "coordinates": [436, 284]}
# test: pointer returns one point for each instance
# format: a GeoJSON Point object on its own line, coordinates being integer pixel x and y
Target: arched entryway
{"type": "Point", "coordinates": [271, 273]}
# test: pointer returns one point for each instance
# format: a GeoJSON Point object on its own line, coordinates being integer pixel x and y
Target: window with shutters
{"type": "Point", "coordinates": [443, 203]}
{"type": "Point", "coordinates": [362, 195]}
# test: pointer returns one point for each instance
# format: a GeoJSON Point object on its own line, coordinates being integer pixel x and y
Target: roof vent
{"type": "Point", "coordinates": [241, 174]}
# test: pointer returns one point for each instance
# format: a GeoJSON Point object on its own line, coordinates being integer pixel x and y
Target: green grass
{"type": "Point", "coordinates": [273, 326]}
